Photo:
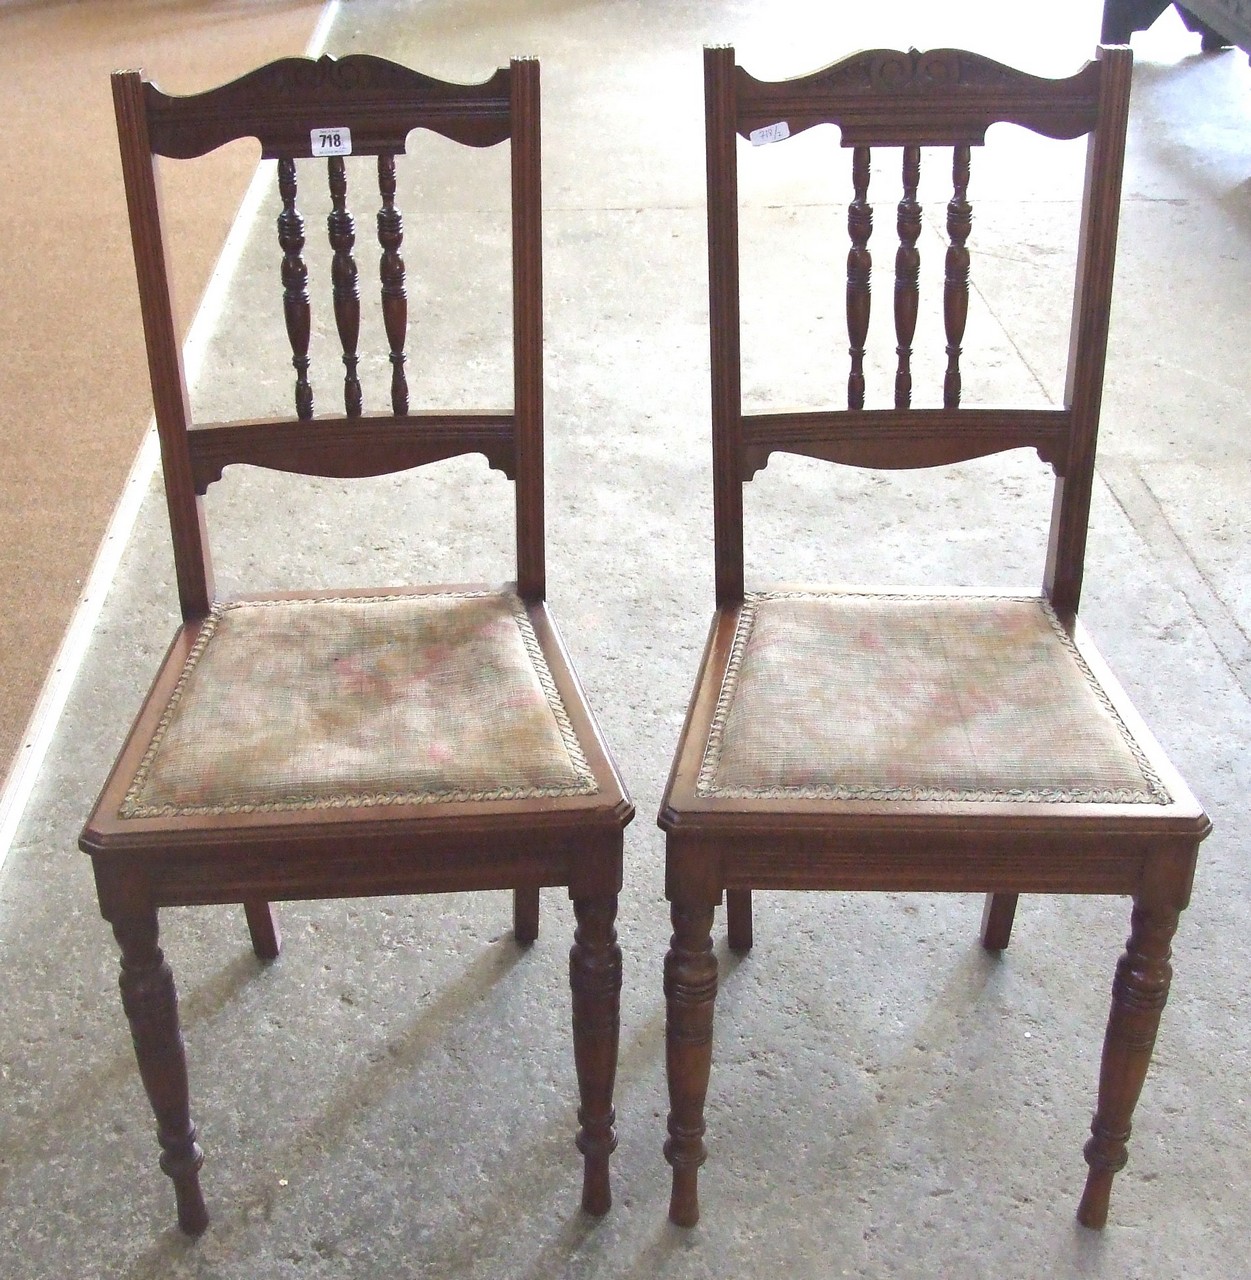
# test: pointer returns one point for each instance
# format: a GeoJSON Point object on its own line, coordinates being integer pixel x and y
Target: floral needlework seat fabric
{"type": "Point", "coordinates": [404, 699]}
{"type": "Point", "coordinates": [848, 696]}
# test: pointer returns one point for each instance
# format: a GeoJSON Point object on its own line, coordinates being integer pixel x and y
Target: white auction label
{"type": "Point", "coordinates": [331, 142]}
{"type": "Point", "coordinates": [770, 133]}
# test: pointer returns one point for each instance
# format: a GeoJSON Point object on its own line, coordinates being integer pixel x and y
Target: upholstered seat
{"type": "Point", "coordinates": [351, 702]}
{"type": "Point", "coordinates": [859, 696]}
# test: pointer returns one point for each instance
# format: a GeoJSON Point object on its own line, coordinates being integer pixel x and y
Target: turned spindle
{"type": "Point", "coordinates": [956, 280]}
{"type": "Point", "coordinates": [907, 274]}
{"type": "Point", "coordinates": [347, 303]}
{"type": "Point", "coordinates": [394, 295]}
{"type": "Point", "coordinates": [859, 273]}
{"type": "Point", "coordinates": [294, 285]}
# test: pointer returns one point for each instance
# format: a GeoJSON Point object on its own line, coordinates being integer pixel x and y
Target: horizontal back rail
{"type": "Point", "coordinates": [900, 439]}
{"type": "Point", "coordinates": [943, 97]}
{"type": "Point", "coordinates": [282, 104]}
{"type": "Point", "coordinates": [370, 445]}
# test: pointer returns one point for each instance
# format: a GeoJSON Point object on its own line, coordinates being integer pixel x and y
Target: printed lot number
{"type": "Point", "coordinates": [331, 142]}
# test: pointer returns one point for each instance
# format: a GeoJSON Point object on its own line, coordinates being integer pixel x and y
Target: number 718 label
{"type": "Point", "coordinates": [331, 142]}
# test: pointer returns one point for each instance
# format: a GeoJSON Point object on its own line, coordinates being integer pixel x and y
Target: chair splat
{"type": "Point", "coordinates": [341, 231]}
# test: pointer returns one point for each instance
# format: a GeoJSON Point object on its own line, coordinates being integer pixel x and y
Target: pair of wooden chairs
{"type": "Point", "coordinates": [422, 740]}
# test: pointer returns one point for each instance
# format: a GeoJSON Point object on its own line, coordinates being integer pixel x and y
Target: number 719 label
{"type": "Point", "coordinates": [331, 142]}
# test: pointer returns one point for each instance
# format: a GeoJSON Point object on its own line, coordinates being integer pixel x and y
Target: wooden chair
{"type": "Point", "coordinates": [912, 740]}
{"type": "Point", "coordinates": [363, 742]}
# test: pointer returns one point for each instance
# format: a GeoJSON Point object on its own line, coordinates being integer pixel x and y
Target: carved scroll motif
{"type": "Point", "coordinates": [913, 71]}
{"type": "Point", "coordinates": [394, 295]}
{"type": "Point", "coordinates": [859, 274]}
{"type": "Point", "coordinates": [347, 304]}
{"type": "Point", "coordinates": [907, 275]}
{"type": "Point", "coordinates": [294, 285]}
{"type": "Point", "coordinates": [956, 282]}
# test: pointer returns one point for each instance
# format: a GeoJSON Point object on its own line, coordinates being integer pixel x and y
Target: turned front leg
{"type": "Point", "coordinates": [1139, 993]}
{"type": "Point", "coordinates": [151, 1005]}
{"type": "Point", "coordinates": [690, 993]}
{"type": "Point", "coordinates": [595, 980]}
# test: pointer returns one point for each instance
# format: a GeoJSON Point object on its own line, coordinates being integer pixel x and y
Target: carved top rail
{"type": "Point", "coordinates": [282, 103]}
{"type": "Point", "coordinates": [942, 97]}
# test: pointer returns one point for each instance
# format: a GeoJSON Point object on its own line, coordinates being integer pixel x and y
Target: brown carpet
{"type": "Point", "coordinates": [74, 395]}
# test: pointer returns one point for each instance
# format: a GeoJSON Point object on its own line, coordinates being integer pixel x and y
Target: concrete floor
{"type": "Point", "coordinates": [395, 1096]}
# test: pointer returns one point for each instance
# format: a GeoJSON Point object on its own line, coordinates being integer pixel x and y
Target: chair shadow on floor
{"type": "Point", "coordinates": [385, 1069]}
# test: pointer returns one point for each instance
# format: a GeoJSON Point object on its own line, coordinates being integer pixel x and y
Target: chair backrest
{"type": "Point", "coordinates": [911, 100]}
{"type": "Point", "coordinates": [299, 108]}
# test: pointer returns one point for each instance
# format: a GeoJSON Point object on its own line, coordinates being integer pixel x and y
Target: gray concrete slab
{"type": "Point", "coordinates": [395, 1096]}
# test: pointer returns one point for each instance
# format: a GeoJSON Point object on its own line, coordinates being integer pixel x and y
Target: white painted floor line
{"type": "Point", "coordinates": [321, 32]}
{"type": "Point", "coordinates": [46, 716]}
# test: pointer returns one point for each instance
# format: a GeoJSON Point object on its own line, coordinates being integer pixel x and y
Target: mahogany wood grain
{"type": "Point", "coordinates": [526, 914]}
{"type": "Point", "coordinates": [391, 272]}
{"type": "Point", "coordinates": [142, 865]}
{"type": "Point", "coordinates": [192, 561]}
{"type": "Point", "coordinates": [263, 928]}
{"type": "Point", "coordinates": [720, 115]}
{"type": "Point", "coordinates": [690, 995]}
{"type": "Point", "coordinates": [151, 1006]}
{"type": "Point", "coordinates": [890, 439]}
{"type": "Point", "coordinates": [738, 919]}
{"type": "Point", "coordinates": [1092, 307]}
{"type": "Point", "coordinates": [595, 979]}
{"type": "Point", "coordinates": [380, 102]}
{"type": "Point", "coordinates": [907, 275]}
{"type": "Point", "coordinates": [526, 176]}
{"type": "Point", "coordinates": [997, 916]}
{"type": "Point", "coordinates": [295, 303]}
{"type": "Point", "coordinates": [1139, 994]}
{"type": "Point", "coordinates": [371, 445]}
{"type": "Point", "coordinates": [940, 97]}
{"type": "Point", "coordinates": [859, 274]}
{"type": "Point", "coordinates": [956, 278]}
{"type": "Point", "coordinates": [726, 847]}
{"type": "Point", "coordinates": [345, 291]}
